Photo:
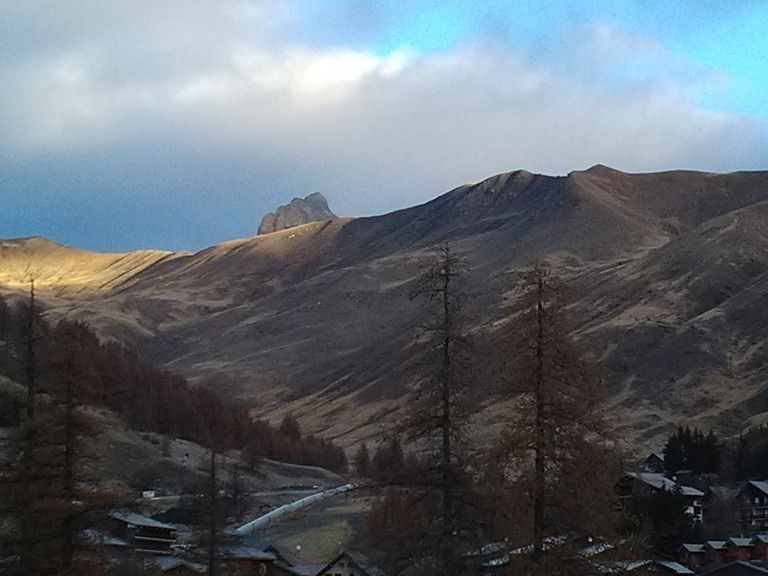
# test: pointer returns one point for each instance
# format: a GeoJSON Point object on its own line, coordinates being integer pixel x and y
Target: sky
{"type": "Point", "coordinates": [177, 124]}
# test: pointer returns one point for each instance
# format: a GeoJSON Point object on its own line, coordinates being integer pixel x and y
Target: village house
{"type": "Point", "coordinates": [739, 549]}
{"type": "Point", "coordinates": [753, 505]}
{"type": "Point", "coordinates": [644, 484]}
{"type": "Point", "coordinates": [715, 552]}
{"type": "Point", "coordinates": [248, 560]}
{"type": "Point", "coordinates": [760, 546]}
{"type": "Point", "coordinates": [143, 534]}
{"type": "Point", "coordinates": [654, 462]}
{"type": "Point", "coordinates": [692, 555]}
{"type": "Point", "coordinates": [719, 552]}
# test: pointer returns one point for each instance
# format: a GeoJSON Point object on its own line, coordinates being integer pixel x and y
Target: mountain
{"type": "Point", "coordinates": [667, 274]}
{"type": "Point", "coordinates": [299, 211]}
{"type": "Point", "coordinates": [68, 269]}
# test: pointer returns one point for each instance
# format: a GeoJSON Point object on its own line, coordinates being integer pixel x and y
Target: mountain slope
{"type": "Point", "coordinates": [55, 265]}
{"type": "Point", "coordinates": [668, 275]}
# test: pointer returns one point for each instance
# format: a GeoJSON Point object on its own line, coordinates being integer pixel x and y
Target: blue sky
{"type": "Point", "coordinates": [178, 124]}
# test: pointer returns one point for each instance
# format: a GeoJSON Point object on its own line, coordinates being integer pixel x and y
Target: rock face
{"type": "Point", "coordinates": [299, 211]}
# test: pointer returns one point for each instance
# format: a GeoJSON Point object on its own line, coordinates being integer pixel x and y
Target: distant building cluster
{"type": "Point", "coordinates": [133, 538]}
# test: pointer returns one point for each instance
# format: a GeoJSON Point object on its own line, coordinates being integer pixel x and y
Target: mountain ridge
{"type": "Point", "coordinates": [668, 271]}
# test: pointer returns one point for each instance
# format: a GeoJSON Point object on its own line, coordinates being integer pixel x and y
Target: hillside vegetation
{"type": "Point", "coordinates": [667, 270]}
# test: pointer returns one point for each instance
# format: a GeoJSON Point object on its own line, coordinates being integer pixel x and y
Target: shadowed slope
{"type": "Point", "coordinates": [668, 273]}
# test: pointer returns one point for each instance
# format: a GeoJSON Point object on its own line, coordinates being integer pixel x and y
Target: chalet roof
{"type": "Point", "coordinates": [761, 485]}
{"type": "Point", "coordinates": [690, 491]}
{"type": "Point", "coordinates": [653, 479]}
{"type": "Point", "coordinates": [660, 482]}
{"type": "Point", "coordinates": [281, 555]}
{"type": "Point", "coordinates": [486, 549]}
{"type": "Point", "coordinates": [99, 537]}
{"type": "Point", "coordinates": [655, 456]}
{"type": "Point", "coordinates": [740, 541]}
{"type": "Point", "coordinates": [138, 520]}
{"type": "Point", "coordinates": [595, 549]}
{"type": "Point", "coordinates": [548, 543]}
{"type": "Point", "coordinates": [621, 566]}
{"type": "Point", "coordinates": [716, 544]}
{"type": "Point", "coordinates": [247, 553]}
{"type": "Point", "coordinates": [761, 537]}
{"type": "Point", "coordinates": [166, 563]}
{"type": "Point", "coordinates": [674, 567]}
{"type": "Point", "coordinates": [308, 568]}
{"type": "Point", "coordinates": [630, 565]}
{"type": "Point", "coordinates": [738, 568]}
{"type": "Point", "coordinates": [360, 560]}
{"type": "Point", "coordinates": [692, 548]}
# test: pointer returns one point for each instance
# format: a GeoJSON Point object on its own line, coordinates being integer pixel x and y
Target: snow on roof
{"type": "Point", "coordinates": [308, 568]}
{"type": "Point", "coordinates": [660, 482]}
{"type": "Point", "coordinates": [247, 552]}
{"type": "Point", "coordinates": [690, 491]}
{"type": "Point", "coordinates": [595, 549]}
{"type": "Point", "coordinates": [138, 520]}
{"type": "Point", "coordinates": [495, 562]}
{"type": "Point", "coordinates": [97, 536]}
{"type": "Point", "coordinates": [761, 485]}
{"type": "Point", "coordinates": [653, 479]}
{"type": "Point", "coordinates": [485, 549]}
{"type": "Point", "coordinates": [166, 563]}
{"type": "Point", "coordinates": [360, 560]}
{"type": "Point", "coordinates": [716, 544]}
{"type": "Point", "coordinates": [547, 543]}
{"type": "Point", "coordinates": [621, 566]}
{"type": "Point", "coordinates": [675, 567]}
{"type": "Point", "coordinates": [693, 547]}
{"type": "Point", "coordinates": [740, 541]}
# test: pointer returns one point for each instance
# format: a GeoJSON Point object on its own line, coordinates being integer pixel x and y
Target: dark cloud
{"type": "Point", "coordinates": [179, 124]}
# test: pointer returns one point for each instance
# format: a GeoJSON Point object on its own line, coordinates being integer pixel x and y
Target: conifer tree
{"type": "Point", "coordinates": [388, 463]}
{"type": "Point", "coordinates": [553, 469]}
{"type": "Point", "coordinates": [438, 422]}
{"type": "Point", "coordinates": [691, 450]}
{"type": "Point", "coordinates": [52, 490]}
{"type": "Point", "coordinates": [362, 461]}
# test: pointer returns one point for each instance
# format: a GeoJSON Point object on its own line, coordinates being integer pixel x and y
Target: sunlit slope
{"type": "Point", "coordinates": [56, 266]}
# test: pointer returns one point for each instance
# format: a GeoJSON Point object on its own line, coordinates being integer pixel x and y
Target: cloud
{"type": "Point", "coordinates": [196, 107]}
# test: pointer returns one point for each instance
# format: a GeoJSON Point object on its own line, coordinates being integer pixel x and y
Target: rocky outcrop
{"type": "Point", "coordinates": [300, 211]}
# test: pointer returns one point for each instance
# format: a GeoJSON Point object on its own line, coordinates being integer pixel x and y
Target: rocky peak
{"type": "Point", "coordinates": [299, 211]}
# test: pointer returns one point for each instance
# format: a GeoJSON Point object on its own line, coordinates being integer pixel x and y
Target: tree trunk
{"type": "Point", "coordinates": [539, 486]}
{"type": "Point", "coordinates": [447, 424]}
{"type": "Point", "coordinates": [213, 520]}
